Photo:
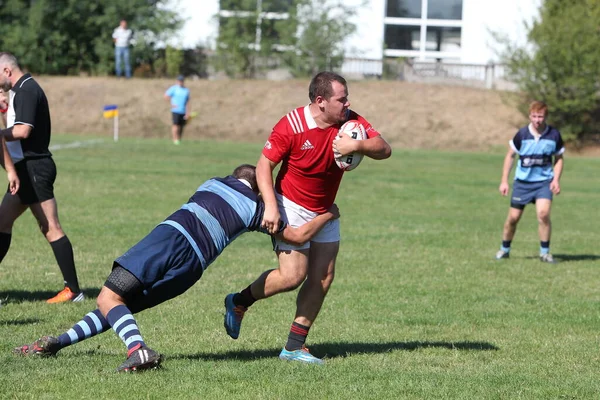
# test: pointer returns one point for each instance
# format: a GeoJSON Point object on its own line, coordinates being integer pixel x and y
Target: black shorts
{"type": "Point", "coordinates": [178, 119]}
{"type": "Point", "coordinates": [37, 176]}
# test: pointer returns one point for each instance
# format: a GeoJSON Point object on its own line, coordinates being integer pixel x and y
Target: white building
{"type": "Point", "coordinates": [451, 30]}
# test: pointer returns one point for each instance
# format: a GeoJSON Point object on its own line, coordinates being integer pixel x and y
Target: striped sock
{"type": "Point", "coordinates": [92, 324]}
{"type": "Point", "coordinates": [297, 336]}
{"type": "Point", "coordinates": [125, 326]}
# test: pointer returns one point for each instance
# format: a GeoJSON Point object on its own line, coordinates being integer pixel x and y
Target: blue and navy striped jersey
{"type": "Point", "coordinates": [219, 211]}
{"type": "Point", "coordinates": [535, 156]}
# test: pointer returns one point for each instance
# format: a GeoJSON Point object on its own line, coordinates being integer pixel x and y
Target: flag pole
{"type": "Point", "coordinates": [116, 128]}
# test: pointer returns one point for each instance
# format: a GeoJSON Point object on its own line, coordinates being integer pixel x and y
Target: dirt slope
{"type": "Point", "coordinates": [408, 115]}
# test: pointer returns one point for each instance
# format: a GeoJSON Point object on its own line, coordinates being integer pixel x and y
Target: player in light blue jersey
{"type": "Point", "coordinates": [179, 97]}
{"type": "Point", "coordinates": [171, 259]}
{"type": "Point", "coordinates": [537, 178]}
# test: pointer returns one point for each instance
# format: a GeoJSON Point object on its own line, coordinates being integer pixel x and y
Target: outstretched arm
{"type": "Point", "coordinates": [302, 234]}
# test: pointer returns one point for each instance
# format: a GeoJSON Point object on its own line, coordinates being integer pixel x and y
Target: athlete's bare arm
{"type": "Point", "coordinates": [302, 234]}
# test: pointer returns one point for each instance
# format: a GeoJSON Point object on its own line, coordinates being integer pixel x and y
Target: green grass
{"type": "Point", "coordinates": [418, 309]}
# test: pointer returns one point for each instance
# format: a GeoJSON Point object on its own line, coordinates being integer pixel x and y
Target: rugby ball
{"type": "Point", "coordinates": [356, 131]}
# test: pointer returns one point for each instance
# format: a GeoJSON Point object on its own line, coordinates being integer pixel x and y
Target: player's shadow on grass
{"type": "Point", "coordinates": [26, 321]}
{"type": "Point", "coordinates": [20, 296]}
{"type": "Point", "coordinates": [571, 257]}
{"type": "Point", "coordinates": [335, 350]}
{"type": "Point", "coordinates": [577, 257]}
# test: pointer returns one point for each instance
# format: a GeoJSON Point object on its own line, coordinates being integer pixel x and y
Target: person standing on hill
{"type": "Point", "coordinates": [28, 137]}
{"type": "Point", "coordinates": [536, 181]}
{"type": "Point", "coordinates": [122, 38]}
{"type": "Point", "coordinates": [179, 98]}
{"type": "Point", "coordinates": [304, 142]}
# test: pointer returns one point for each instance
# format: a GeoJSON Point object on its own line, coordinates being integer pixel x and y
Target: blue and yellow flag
{"type": "Point", "coordinates": [111, 111]}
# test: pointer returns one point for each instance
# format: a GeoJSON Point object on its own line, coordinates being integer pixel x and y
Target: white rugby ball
{"type": "Point", "coordinates": [356, 131]}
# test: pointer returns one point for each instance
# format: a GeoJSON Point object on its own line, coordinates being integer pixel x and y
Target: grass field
{"type": "Point", "coordinates": [418, 309]}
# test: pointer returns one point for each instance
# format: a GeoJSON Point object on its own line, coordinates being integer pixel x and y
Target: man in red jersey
{"type": "Point", "coordinates": [304, 142]}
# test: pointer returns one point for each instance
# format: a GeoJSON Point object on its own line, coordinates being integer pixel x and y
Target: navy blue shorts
{"type": "Point", "coordinates": [165, 263]}
{"type": "Point", "coordinates": [528, 192]}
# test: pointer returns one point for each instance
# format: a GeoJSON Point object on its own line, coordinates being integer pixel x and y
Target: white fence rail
{"type": "Point", "coordinates": [490, 76]}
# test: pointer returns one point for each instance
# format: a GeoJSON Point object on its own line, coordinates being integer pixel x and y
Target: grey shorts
{"type": "Point", "coordinates": [528, 192]}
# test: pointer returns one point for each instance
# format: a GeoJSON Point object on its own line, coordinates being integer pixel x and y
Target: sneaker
{"type": "Point", "coordinates": [43, 347]}
{"type": "Point", "coordinates": [502, 254]}
{"type": "Point", "coordinates": [141, 359]}
{"type": "Point", "coordinates": [547, 258]}
{"type": "Point", "coordinates": [233, 317]}
{"type": "Point", "coordinates": [302, 355]}
{"type": "Point", "coordinates": [66, 295]}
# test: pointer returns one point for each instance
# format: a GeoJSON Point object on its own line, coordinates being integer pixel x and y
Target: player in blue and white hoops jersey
{"type": "Point", "coordinates": [537, 178]}
{"type": "Point", "coordinates": [171, 259]}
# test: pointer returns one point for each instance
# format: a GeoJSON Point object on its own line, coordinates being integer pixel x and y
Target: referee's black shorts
{"type": "Point", "coordinates": [178, 119]}
{"type": "Point", "coordinates": [37, 176]}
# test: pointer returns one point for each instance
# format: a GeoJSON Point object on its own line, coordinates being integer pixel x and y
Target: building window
{"type": "Point", "coordinates": [443, 38]}
{"type": "Point", "coordinates": [255, 19]}
{"type": "Point", "coordinates": [277, 6]}
{"type": "Point", "coordinates": [236, 5]}
{"type": "Point", "coordinates": [428, 29]}
{"type": "Point", "coordinates": [404, 8]}
{"type": "Point", "coordinates": [444, 9]}
{"type": "Point", "coordinates": [402, 37]}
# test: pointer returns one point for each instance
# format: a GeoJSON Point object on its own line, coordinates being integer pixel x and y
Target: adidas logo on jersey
{"type": "Point", "coordinates": [307, 146]}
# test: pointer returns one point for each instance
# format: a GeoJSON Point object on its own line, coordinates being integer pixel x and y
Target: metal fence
{"type": "Point", "coordinates": [490, 76]}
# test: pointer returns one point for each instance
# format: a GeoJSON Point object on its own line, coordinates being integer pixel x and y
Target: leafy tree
{"type": "Point", "coordinates": [74, 36]}
{"type": "Point", "coordinates": [560, 65]}
{"type": "Point", "coordinates": [324, 24]}
{"type": "Point", "coordinates": [309, 38]}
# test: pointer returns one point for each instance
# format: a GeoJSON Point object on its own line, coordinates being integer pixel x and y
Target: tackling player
{"type": "Point", "coordinates": [171, 259]}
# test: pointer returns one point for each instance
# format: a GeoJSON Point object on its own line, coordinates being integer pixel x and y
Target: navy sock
{"type": "Point", "coordinates": [297, 336]}
{"type": "Point", "coordinates": [125, 326]}
{"type": "Point", "coordinates": [544, 247]}
{"type": "Point", "coordinates": [91, 325]}
{"type": "Point", "coordinates": [244, 298]}
{"type": "Point", "coordinates": [4, 244]}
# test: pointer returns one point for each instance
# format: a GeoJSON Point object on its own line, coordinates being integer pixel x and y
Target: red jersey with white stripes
{"type": "Point", "coordinates": [309, 175]}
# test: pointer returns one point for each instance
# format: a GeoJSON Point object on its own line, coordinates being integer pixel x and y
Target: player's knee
{"type": "Point", "coordinates": [292, 281]}
{"type": "Point", "coordinates": [543, 217]}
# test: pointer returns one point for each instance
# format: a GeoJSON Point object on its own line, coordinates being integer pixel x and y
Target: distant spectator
{"type": "Point", "coordinates": [179, 97]}
{"type": "Point", "coordinates": [122, 38]}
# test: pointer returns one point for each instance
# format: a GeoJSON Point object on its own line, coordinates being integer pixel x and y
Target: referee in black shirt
{"type": "Point", "coordinates": [28, 138]}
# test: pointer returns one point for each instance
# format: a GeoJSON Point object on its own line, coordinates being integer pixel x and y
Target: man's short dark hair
{"type": "Point", "coordinates": [320, 85]}
{"type": "Point", "coordinates": [248, 173]}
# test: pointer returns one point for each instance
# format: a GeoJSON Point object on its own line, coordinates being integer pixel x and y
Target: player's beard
{"type": "Point", "coordinates": [5, 84]}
